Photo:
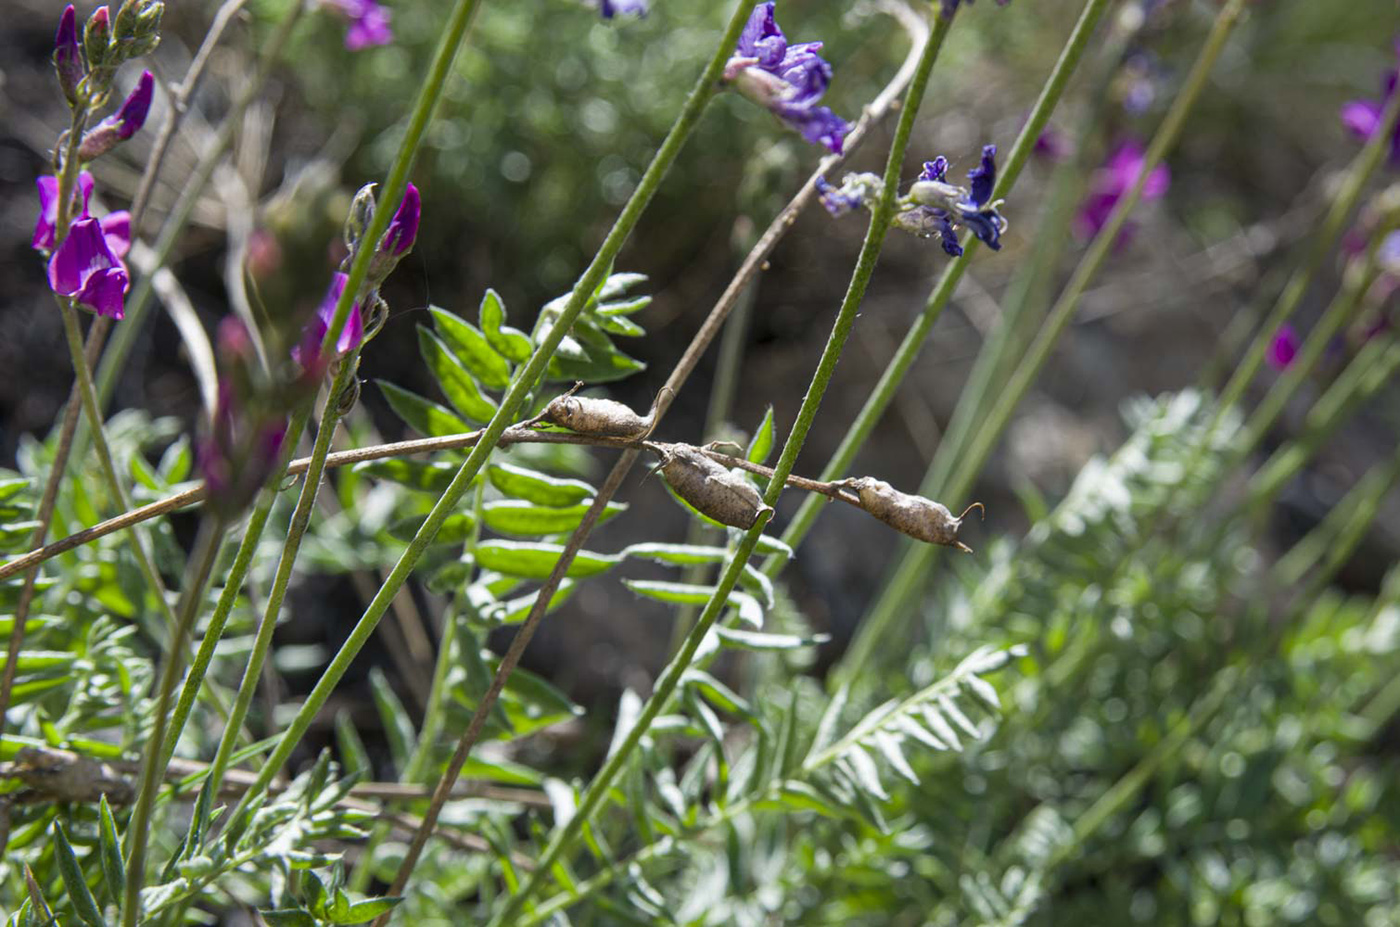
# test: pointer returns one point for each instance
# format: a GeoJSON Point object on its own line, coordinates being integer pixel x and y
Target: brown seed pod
{"type": "Point", "coordinates": [600, 417]}
{"type": "Point", "coordinates": [915, 516]}
{"type": "Point", "coordinates": [714, 491]}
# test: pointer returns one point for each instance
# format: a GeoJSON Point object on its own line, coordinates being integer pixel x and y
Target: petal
{"type": "Point", "coordinates": [103, 292]}
{"type": "Point", "coordinates": [1157, 182]}
{"type": "Point", "coordinates": [756, 41]}
{"type": "Point", "coordinates": [984, 176]}
{"type": "Point", "coordinates": [48, 213]}
{"type": "Point", "coordinates": [82, 253]}
{"type": "Point", "coordinates": [1361, 117]}
{"type": "Point", "coordinates": [353, 332]}
{"type": "Point", "coordinates": [818, 125]}
{"type": "Point", "coordinates": [116, 228]}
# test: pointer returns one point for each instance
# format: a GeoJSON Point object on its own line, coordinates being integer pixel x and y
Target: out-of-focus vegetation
{"type": "Point", "coordinates": [1156, 694]}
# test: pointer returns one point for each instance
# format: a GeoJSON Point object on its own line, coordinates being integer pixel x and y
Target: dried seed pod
{"type": "Point", "coordinates": [714, 491]}
{"type": "Point", "coordinates": [599, 417]}
{"type": "Point", "coordinates": [915, 516]}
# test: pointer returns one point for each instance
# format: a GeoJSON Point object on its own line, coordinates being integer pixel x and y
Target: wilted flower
{"type": "Point", "coordinates": [85, 268]}
{"type": "Point", "coordinates": [939, 207]}
{"type": "Point", "coordinates": [122, 124]}
{"type": "Point", "coordinates": [308, 352]}
{"type": "Point", "coordinates": [1112, 182]}
{"type": "Point", "coordinates": [611, 8]}
{"type": "Point", "coordinates": [787, 80]}
{"type": "Point", "coordinates": [856, 190]}
{"type": "Point", "coordinates": [369, 22]}
{"type": "Point", "coordinates": [1283, 348]}
{"type": "Point", "coordinates": [67, 57]}
{"type": "Point", "coordinates": [1363, 117]}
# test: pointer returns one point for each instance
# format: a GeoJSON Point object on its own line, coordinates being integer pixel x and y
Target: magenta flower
{"type": "Point", "coordinates": [1283, 348]}
{"type": "Point", "coordinates": [787, 80]}
{"type": "Point", "coordinates": [47, 224]}
{"type": "Point", "coordinates": [369, 23]}
{"type": "Point", "coordinates": [1363, 117]}
{"type": "Point", "coordinates": [67, 58]}
{"type": "Point", "coordinates": [85, 268]}
{"type": "Point", "coordinates": [403, 228]}
{"type": "Point", "coordinates": [122, 124]}
{"type": "Point", "coordinates": [1112, 182]}
{"type": "Point", "coordinates": [308, 352]}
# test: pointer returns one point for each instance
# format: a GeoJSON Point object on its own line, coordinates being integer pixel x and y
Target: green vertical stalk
{"type": "Point", "coordinates": [894, 601]}
{"type": "Point", "coordinates": [296, 530]}
{"type": "Point", "coordinates": [206, 548]}
{"type": "Point", "coordinates": [880, 217]}
{"type": "Point", "coordinates": [883, 393]}
{"type": "Point", "coordinates": [523, 383]}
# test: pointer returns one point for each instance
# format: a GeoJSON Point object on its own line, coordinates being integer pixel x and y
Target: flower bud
{"type": "Point", "coordinates": [398, 238]}
{"type": "Point", "coordinates": [67, 56]}
{"type": "Point", "coordinates": [359, 217]}
{"type": "Point", "coordinates": [122, 124]}
{"type": "Point", "coordinates": [599, 417]}
{"type": "Point", "coordinates": [136, 31]}
{"type": "Point", "coordinates": [920, 518]}
{"type": "Point", "coordinates": [97, 38]}
{"type": "Point", "coordinates": [714, 491]}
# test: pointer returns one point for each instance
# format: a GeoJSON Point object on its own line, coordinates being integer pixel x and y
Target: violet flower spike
{"type": "Point", "coordinates": [935, 207]}
{"type": "Point", "coordinates": [308, 353]}
{"type": "Point", "coordinates": [787, 80]}
{"type": "Point", "coordinates": [46, 227]}
{"type": "Point", "coordinates": [67, 57]}
{"type": "Point", "coordinates": [1363, 117]}
{"type": "Point", "coordinates": [369, 23]}
{"type": "Point", "coordinates": [122, 124]}
{"type": "Point", "coordinates": [85, 269]}
{"type": "Point", "coordinates": [1283, 349]}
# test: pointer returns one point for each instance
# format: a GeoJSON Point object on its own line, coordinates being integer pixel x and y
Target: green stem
{"type": "Point", "coordinates": [206, 548]}
{"type": "Point", "coordinates": [883, 394]}
{"type": "Point", "coordinates": [892, 605]}
{"type": "Point", "coordinates": [523, 383]}
{"type": "Point", "coordinates": [880, 217]}
{"type": "Point", "coordinates": [296, 530]}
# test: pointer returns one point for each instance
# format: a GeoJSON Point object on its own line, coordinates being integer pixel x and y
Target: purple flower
{"type": "Point", "coordinates": [611, 8]}
{"type": "Point", "coordinates": [1112, 182]}
{"type": "Point", "coordinates": [308, 353]}
{"type": "Point", "coordinates": [403, 228]}
{"type": "Point", "coordinates": [67, 58]}
{"type": "Point", "coordinates": [787, 80]}
{"type": "Point", "coordinates": [47, 224]}
{"type": "Point", "coordinates": [122, 124]}
{"type": "Point", "coordinates": [369, 23]}
{"type": "Point", "coordinates": [85, 269]}
{"type": "Point", "coordinates": [1363, 117]}
{"type": "Point", "coordinates": [1283, 348]}
{"type": "Point", "coordinates": [952, 206]}
{"type": "Point", "coordinates": [837, 200]}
